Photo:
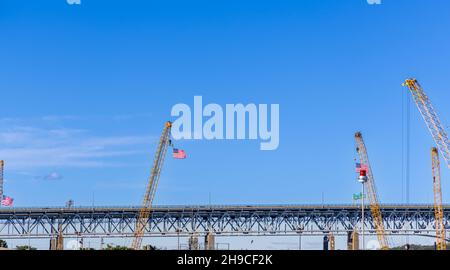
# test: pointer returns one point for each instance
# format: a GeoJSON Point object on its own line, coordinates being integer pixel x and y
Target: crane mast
{"type": "Point", "coordinates": [438, 209]}
{"type": "Point", "coordinates": [431, 118]}
{"type": "Point", "coordinates": [144, 212]}
{"type": "Point", "coordinates": [371, 192]}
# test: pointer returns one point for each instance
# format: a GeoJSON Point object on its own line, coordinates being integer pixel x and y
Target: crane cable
{"type": "Point", "coordinates": [406, 147]}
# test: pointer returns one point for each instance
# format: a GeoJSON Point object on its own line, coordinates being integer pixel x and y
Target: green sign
{"type": "Point", "coordinates": [358, 196]}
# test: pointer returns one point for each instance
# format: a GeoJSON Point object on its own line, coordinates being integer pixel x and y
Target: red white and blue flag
{"type": "Point", "coordinates": [361, 167]}
{"type": "Point", "coordinates": [179, 154]}
{"type": "Point", "coordinates": [7, 201]}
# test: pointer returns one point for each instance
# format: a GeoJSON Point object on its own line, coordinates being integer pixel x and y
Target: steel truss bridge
{"type": "Point", "coordinates": [222, 220]}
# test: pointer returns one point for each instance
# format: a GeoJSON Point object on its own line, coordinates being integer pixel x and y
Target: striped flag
{"type": "Point", "coordinates": [361, 167]}
{"type": "Point", "coordinates": [179, 154]}
{"type": "Point", "coordinates": [7, 201]}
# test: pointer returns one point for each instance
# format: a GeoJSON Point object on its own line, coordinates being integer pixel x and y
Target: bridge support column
{"type": "Point", "coordinates": [210, 241]}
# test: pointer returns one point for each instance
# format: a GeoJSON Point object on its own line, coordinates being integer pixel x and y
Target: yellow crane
{"type": "Point", "coordinates": [371, 192]}
{"type": "Point", "coordinates": [440, 137]}
{"type": "Point", "coordinates": [438, 209]}
{"type": "Point", "coordinates": [144, 212]}
{"type": "Point", "coordinates": [2, 164]}
{"type": "Point", "coordinates": [431, 118]}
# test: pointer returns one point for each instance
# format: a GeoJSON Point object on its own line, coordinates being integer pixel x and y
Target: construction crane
{"type": "Point", "coordinates": [430, 117]}
{"type": "Point", "coordinates": [144, 212]}
{"type": "Point", "coordinates": [371, 192]}
{"type": "Point", "coordinates": [438, 209]}
{"type": "Point", "coordinates": [2, 164]}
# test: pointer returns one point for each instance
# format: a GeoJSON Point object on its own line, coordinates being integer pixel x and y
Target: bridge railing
{"type": "Point", "coordinates": [217, 206]}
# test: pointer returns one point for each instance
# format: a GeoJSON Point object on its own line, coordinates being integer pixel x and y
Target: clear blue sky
{"type": "Point", "coordinates": [85, 90]}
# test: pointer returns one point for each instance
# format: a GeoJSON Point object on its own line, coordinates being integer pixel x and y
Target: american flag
{"type": "Point", "coordinates": [179, 154]}
{"type": "Point", "coordinates": [7, 201]}
{"type": "Point", "coordinates": [361, 167]}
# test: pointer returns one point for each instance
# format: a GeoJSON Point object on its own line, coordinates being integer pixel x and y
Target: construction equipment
{"type": "Point", "coordinates": [440, 137]}
{"type": "Point", "coordinates": [430, 117]}
{"type": "Point", "coordinates": [144, 213]}
{"type": "Point", "coordinates": [371, 192]}
{"type": "Point", "coordinates": [2, 164]}
{"type": "Point", "coordinates": [438, 209]}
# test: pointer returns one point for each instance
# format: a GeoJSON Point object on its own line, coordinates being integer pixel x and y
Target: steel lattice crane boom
{"type": "Point", "coordinates": [440, 137]}
{"type": "Point", "coordinates": [371, 192]}
{"type": "Point", "coordinates": [2, 163]}
{"type": "Point", "coordinates": [144, 213]}
{"type": "Point", "coordinates": [430, 117]}
{"type": "Point", "coordinates": [438, 209]}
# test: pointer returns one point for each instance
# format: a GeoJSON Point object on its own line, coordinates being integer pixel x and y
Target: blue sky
{"type": "Point", "coordinates": [86, 89]}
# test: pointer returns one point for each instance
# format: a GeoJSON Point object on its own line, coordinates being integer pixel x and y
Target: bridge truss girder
{"type": "Point", "coordinates": [120, 222]}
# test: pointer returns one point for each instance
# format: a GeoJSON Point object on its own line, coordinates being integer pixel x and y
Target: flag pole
{"type": "Point", "coordinates": [362, 219]}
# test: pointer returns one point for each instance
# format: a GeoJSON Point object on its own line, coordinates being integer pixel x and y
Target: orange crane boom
{"type": "Point", "coordinates": [371, 192]}
{"type": "Point", "coordinates": [144, 212]}
{"type": "Point", "coordinates": [438, 209]}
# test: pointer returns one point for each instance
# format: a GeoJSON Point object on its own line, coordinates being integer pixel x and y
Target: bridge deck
{"type": "Point", "coordinates": [178, 208]}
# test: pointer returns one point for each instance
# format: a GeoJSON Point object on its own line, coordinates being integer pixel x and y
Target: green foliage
{"type": "Point", "coordinates": [112, 247]}
{"type": "Point", "coordinates": [3, 244]}
{"type": "Point", "coordinates": [25, 248]}
{"type": "Point", "coordinates": [149, 247]}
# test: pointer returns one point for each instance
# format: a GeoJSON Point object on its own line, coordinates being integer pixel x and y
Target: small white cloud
{"type": "Point", "coordinates": [374, 2]}
{"type": "Point", "coordinates": [56, 118]}
{"type": "Point", "coordinates": [126, 117]}
{"type": "Point", "coordinates": [74, 2]}
{"type": "Point", "coordinates": [53, 176]}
